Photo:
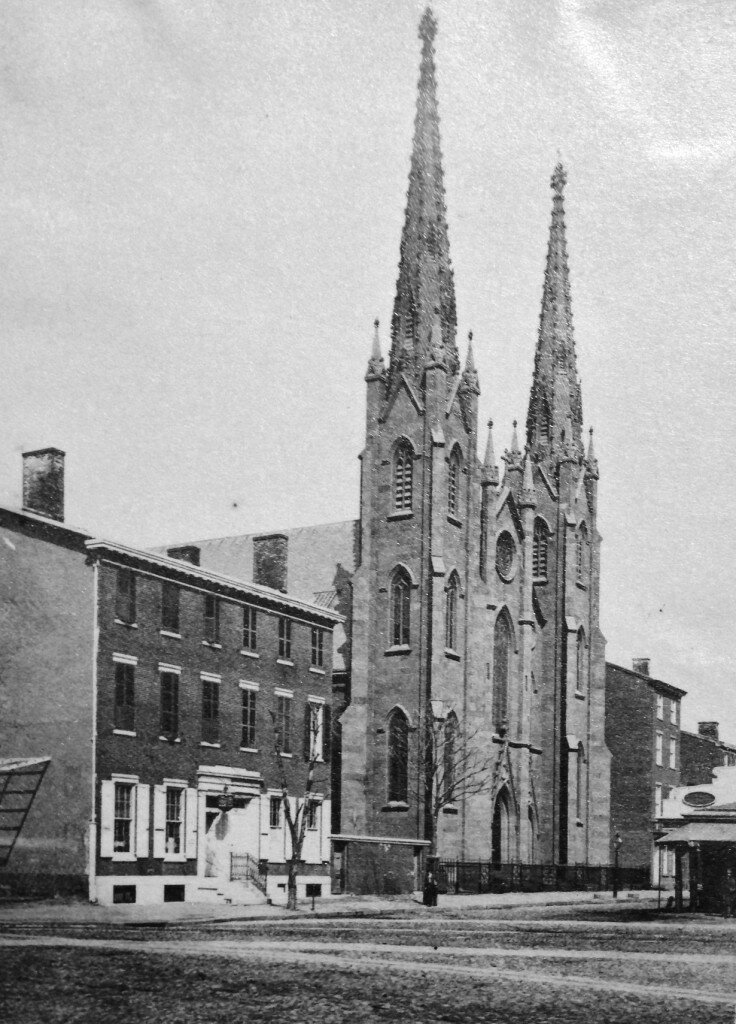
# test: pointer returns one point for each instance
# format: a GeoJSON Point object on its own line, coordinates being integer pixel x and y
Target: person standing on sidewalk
{"type": "Point", "coordinates": [430, 891]}
{"type": "Point", "coordinates": [728, 893]}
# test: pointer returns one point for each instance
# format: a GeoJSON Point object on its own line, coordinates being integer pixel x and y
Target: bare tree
{"type": "Point", "coordinates": [453, 764]}
{"type": "Point", "coordinates": [316, 750]}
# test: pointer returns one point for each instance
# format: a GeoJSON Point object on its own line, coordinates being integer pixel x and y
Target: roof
{"type": "Point", "coordinates": [701, 832]}
{"type": "Point", "coordinates": [178, 567]}
{"type": "Point", "coordinates": [658, 685]}
{"type": "Point", "coordinates": [320, 557]}
{"type": "Point", "coordinates": [45, 521]}
{"type": "Point", "coordinates": [20, 765]}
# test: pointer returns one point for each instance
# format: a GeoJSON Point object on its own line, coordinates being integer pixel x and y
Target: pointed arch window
{"type": "Point", "coordinates": [502, 647]}
{"type": "Point", "coordinates": [580, 662]}
{"type": "Point", "coordinates": [398, 757]}
{"type": "Point", "coordinates": [545, 422]}
{"type": "Point", "coordinates": [453, 484]}
{"type": "Point", "coordinates": [582, 554]}
{"type": "Point", "coordinates": [539, 550]}
{"type": "Point", "coordinates": [453, 589]}
{"type": "Point", "coordinates": [449, 759]}
{"type": "Point", "coordinates": [580, 782]}
{"type": "Point", "coordinates": [403, 476]}
{"type": "Point", "coordinates": [400, 608]}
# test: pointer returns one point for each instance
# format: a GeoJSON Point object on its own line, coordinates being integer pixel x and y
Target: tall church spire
{"type": "Point", "coordinates": [425, 282]}
{"type": "Point", "coordinates": [555, 405]}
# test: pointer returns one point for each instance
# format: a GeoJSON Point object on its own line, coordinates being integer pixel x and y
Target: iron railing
{"type": "Point", "coordinates": [245, 868]}
{"type": "Point", "coordinates": [485, 876]}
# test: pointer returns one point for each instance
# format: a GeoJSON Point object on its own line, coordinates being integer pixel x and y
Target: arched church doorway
{"type": "Point", "coordinates": [501, 830]}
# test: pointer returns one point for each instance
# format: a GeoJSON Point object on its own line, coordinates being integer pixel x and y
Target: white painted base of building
{"type": "Point", "coordinates": [149, 890]}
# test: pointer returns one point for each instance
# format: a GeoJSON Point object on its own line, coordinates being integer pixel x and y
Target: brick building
{"type": "Point", "coordinates": [643, 735]}
{"type": "Point", "coordinates": [469, 594]}
{"type": "Point", "coordinates": [701, 752]}
{"type": "Point", "coordinates": [149, 682]}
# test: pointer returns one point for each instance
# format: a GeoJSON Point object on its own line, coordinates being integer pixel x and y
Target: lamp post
{"type": "Point", "coordinates": [617, 844]}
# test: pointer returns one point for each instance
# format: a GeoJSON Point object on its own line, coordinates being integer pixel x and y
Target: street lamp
{"type": "Point", "coordinates": [617, 844]}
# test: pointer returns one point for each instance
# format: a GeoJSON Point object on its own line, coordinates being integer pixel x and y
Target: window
{"type": "Point", "coordinates": [123, 820]}
{"type": "Point", "coordinates": [545, 421]}
{"type": "Point", "coordinates": [169, 704]}
{"type": "Point", "coordinates": [312, 811]}
{"type": "Point", "coordinates": [318, 645]}
{"type": "Point", "coordinates": [580, 783]}
{"type": "Point", "coordinates": [210, 711]}
{"type": "Point", "coordinates": [248, 719]}
{"type": "Point", "coordinates": [398, 757]}
{"type": "Point", "coordinates": [400, 595]}
{"type": "Point", "coordinates": [313, 730]}
{"type": "Point", "coordinates": [673, 712]}
{"type": "Point", "coordinates": [403, 471]}
{"type": "Point", "coordinates": [249, 629]}
{"type": "Point", "coordinates": [539, 550]}
{"type": "Point", "coordinates": [453, 484]}
{"type": "Point", "coordinates": [660, 706]}
{"type": "Point", "coordinates": [274, 812]}
{"type": "Point", "coordinates": [283, 724]}
{"type": "Point", "coordinates": [673, 752]}
{"type": "Point", "coordinates": [658, 749]}
{"type": "Point", "coordinates": [657, 799]}
{"type": "Point", "coordinates": [285, 639]}
{"type": "Point", "coordinates": [505, 556]}
{"type": "Point", "coordinates": [451, 613]}
{"type": "Point", "coordinates": [125, 596]}
{"type": "Point", "coordinates": [502, 638]}
{"type": "Point", "coordinates": [124, 715]}
{"type": "Point", "coordinates": [580, 664]}
{"type": "Point", "coordinates": [170, 607]}
{"type": "Point", "coordinates": [174, 820]}
{"type": "Point", "coordinates": [211, 619]}
{"type": "Point", "coordinates": [582, 554]}
{"type": "Point", "coordinates": [449, 756]}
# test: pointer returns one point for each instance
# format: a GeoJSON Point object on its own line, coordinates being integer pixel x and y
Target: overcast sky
{"type": "Point", "coordinates": [201, 207]}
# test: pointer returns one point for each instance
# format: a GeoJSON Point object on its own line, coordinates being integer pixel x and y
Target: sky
{"type": "Point", "coordinates": [201, 207]}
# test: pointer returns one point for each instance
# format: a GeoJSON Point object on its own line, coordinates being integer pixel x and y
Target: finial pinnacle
{"type": "Point", "coordinates": [515, 424]}
{"type": "Point", "coordinates": [470, 335]}
{"type": "Point", "coordinates": [376, 323]}
{"type": "Point", "coordinates": [428, 26]}
{"type": "Point", "coordinates": [490, 424]}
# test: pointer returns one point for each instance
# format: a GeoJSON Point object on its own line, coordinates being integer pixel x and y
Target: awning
{"type": "Point", "coordinates": [701, 832]}
{"type": "Point", "coordinates": [20, 778]}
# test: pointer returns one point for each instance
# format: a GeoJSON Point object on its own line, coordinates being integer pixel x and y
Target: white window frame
{"type": "Point", "coordinates": [673, 712]}
{"type": "Point", "coordinates": [657, 799]}
{"type": "Point", "coordinates": [660, 707]}
{"type": "Point", "coordinates": [672, 753]}
{"type": "Point", "coordinates": [658, 748]}
{"type": "Point", "coordinates": [139, 819]}
{"type": "Point", "coordinates": [317, 740]}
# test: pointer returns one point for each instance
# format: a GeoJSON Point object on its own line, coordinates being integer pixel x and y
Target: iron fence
{"type": "Point", "coordinates": [485, 876]}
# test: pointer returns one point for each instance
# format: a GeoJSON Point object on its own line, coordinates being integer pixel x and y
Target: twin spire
{"type": "Point", "coordinates": [424, 322]}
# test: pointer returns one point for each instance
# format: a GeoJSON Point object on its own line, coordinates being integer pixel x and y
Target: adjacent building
{"type": "Point", "coordinates": [643, 735]}
{"type": "Point", "coordinates": [174, 704]}
{"type": "Point", "coordinates": [702, 752]}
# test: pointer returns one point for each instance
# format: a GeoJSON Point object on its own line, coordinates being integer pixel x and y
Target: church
{"type": "Point", "coordinates": [470, 590]}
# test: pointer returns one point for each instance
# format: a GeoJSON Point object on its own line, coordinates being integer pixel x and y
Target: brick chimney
{"type": "Point", "coordinates": [708, 730]}
{"type": "Point", "coordinates": [641, 665]}
{"type": "Point", "coordinates": [186, 553]}
{"type": "Point", "coordinates": [43, 483]}
{"type": "Point", "coordinates": [270, 559]}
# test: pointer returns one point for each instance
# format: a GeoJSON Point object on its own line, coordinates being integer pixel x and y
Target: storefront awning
{"type": "Point", "coordinates": [701, 832]}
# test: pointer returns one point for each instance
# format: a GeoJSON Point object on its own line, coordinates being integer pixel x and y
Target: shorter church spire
{"type": "Point", "coordinates": [512, 456]}
{"type": "Point", "coordinates": [528, 491]}
{"type": "Point", "coordinates": [376, 365]}
{"type": "Point", "coordinates": [590, 460]}
{"type": "Point", "coordinates": [489, 472]}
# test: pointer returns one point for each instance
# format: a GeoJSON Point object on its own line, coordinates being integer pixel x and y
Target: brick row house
{"type": "Point", "coordinates": [170, 699]}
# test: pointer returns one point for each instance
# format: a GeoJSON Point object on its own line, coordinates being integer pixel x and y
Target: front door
{"type": "Point", "coordinates": [236, 831]}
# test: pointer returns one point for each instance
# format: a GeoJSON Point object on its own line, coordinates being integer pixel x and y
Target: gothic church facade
{"type": "Point", "coordinates": [471, 593]}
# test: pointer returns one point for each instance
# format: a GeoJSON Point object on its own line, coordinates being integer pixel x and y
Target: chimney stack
{"type": "Point", "coordinates": [708, 730]}
{"type": "Point", "coordinates": [641, 665]}
{"type": "Point", "coordinates": [186, 553]}
{"type": "Point", "coordinates": [43, 483]}
{"type": "Point", "coordinates": [270, 558]}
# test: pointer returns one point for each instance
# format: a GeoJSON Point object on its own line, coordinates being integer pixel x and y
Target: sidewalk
{"type": "Point", "coordinates": [61, 912]}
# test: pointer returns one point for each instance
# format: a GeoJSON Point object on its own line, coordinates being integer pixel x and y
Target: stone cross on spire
{"type": "Point", "coordinates": [555, 402]}
{"type": "Point", "coordinates": [425, 283]}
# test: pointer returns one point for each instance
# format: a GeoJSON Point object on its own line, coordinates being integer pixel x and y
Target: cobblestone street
{"type": "Point", "coordinates": [542, 964]}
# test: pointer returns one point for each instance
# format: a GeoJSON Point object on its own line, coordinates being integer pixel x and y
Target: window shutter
{"type": "Point", "coordinates": [326, 732]}
{"type": "Point", "coordinates": [142, 813]}
{"type": "Point", "coordinates": [107, 818]}
{"type": "Point", "coordinates": [191, 824]}
{"type": "Point", "coordinates": [307, 730]}
{"type": "Point", "coordinates": [159, 821]}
